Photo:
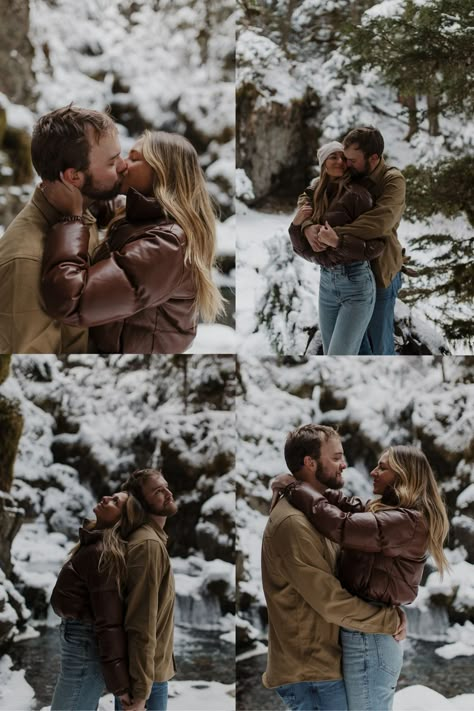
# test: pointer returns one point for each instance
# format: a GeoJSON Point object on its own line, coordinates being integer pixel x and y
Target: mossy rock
{"type": "Point", "coordinates": [11, 426]}
{"type": "Point", "coordinates": [17, 144]}
{"type": "Point", "coordinates": [4, 367]}
{"type": "Point", "coordinates": [3, 124]}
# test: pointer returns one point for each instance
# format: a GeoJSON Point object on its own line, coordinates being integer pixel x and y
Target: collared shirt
{"type": "Point", "coordinates": [149, 621]}
{"type": "Point", "coordinates": [306, 603]}
{"type": "Point", "coordinates": [25, 327]}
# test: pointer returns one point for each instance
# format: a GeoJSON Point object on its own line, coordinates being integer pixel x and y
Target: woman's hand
{"type": "Point", "coordinates": [312, 235]}
{"type": "Point", "coordinates": [303, 213]}
{"type": "Point", "coordinates": [66, 198]}
{"type": "Point", "coordinates": [281, 481]}
{"type": "Point", "coordinates": [125, 700]}
{"type": "Point", "coordinates": [327, 236]}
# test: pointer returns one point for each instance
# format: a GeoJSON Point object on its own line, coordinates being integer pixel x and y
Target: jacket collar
{"type": "Point", "coordinates": [87, 536]}
{"type": "Point", "coordinates": [152, 523]}
{"type": "Point", "coordinates": [140, 208]}
{"type": "Point", "coordinates": [377, 172]}
{"type": "Point", "coordinates": [51, 215]}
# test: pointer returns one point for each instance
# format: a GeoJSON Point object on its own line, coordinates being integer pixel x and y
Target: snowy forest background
{"type": "Point", "coordinates": [307, 72]}
{"type": "Point", "coordinates": [71, 430]}
{"type": "Point", "coordinates": [158, 64]}
{"type": "Point", "coordinates": [374, 402]}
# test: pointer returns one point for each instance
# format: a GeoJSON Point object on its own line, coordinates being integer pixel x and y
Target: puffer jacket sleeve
{"type": "Point", "coordinates": [349, 504]}
{"type": "Point", "coordinates": [109, 615]}
{"type": "Point", "coordinates": [386, 531]}
{"type": "Point", "coordinates": [142, 273]}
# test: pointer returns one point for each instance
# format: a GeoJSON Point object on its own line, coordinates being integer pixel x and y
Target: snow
{"type": "Point", "coordinates": [420, 698]}
{"type": "Point", "coordinates": [213, 338]}
{"type": "Point", "coordinates": [15, 692]}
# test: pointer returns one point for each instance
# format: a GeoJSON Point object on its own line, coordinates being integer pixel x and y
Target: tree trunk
{"type": "Point", "coordinates": [433, 115]}
{"type": "Point", "coordinates": [409, 102]}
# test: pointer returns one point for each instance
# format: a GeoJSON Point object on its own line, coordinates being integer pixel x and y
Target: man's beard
{"type": "Point", "coordinates": [360, 173]}
{"type": "Point", "coordinates": [167, 510]}
{"type": "Point", "coordinates": [331, 481]}
{"type": "Point", "coordinates": [95, 192]}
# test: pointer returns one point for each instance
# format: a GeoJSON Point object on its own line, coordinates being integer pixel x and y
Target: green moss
{"type": "Point", "coordinates": [17, 144]}
{"type": "Point", "coordinates": [11, 426]}
{"type": "Point", "coordinates": [4, 367]}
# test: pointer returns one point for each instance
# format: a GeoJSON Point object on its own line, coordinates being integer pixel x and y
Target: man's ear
{"type": "Point", "coordinates": [310, 463]}
{"type": "Point", "coordinates": [74, 177]}
{"type": "Point", "coordinates": [374, 160]}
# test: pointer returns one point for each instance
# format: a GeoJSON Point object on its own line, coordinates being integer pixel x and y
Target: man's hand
{"type": "Point", "coordinates": [66, 198]}
{"type": "Point", "coordinates": [136, 705]}
{"type": "Point", "coordinates": [401, 632]}
{"type": "Point", "coordinates": [303, 213]}
{"type": "Point", "coordinates": [125, 700]}
{"type": "Point", "coordinates": [327, 236]}
{"type": "Point", "coordinates": [312, 235]}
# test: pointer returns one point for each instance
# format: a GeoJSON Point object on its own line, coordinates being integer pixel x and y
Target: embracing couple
{"type": "Point", "coordinates": [115, 595]}
{"type": "Point", "coordinates": [140, 290]}
{"type": "Point", "coordinates": [347, 223]}
{"type": "Point", "coordinates": [334, 637]}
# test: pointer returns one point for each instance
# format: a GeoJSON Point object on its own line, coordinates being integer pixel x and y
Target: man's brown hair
{"type": "Point", "coordinates": [63, 137]}
{"type": "Point", "coordinates": [306, 441]}
{"type": "Point", "coordinates": [367, 138]}
{"type": "Point", "coordinates": [134, 484]}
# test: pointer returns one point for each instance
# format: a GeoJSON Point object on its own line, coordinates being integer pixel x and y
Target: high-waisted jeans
{"type": "Point", "coordinates": [371, 665]}
{"type": "Point", "coordinates": [80, 683]}
{"type": "Point", "coordinates": [346, 303]}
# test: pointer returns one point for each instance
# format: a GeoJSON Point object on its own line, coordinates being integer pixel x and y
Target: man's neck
{"type": "Point", "coordinates": [309, 478]}
{"type": "Point", "coordinates": [159, 520]}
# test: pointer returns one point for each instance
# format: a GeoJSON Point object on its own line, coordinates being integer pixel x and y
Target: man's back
{"type": "Point", "coordinates": [24, 325]}
{"type": "Point", "coordinates": [150, 607]}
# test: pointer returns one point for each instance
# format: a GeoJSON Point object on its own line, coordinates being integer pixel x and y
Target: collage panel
{"type": "Point", "coordinates": [117, 226]}
{"type": "Point", "coordinates": [397, 435]}
{"type": "Point", "coordinates": [354, 177]}
{"type": "Point", "coordinates": [133, 456]}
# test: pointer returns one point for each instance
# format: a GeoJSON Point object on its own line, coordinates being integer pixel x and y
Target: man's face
{"type": "Point", "coordinates": [103, 178]}
{"type": "Point", "coordinates": [331, 464]}
{"type": "Point", "coordinates": [359, 166]}
{"type": "Point", "coordinates": [158, 497]}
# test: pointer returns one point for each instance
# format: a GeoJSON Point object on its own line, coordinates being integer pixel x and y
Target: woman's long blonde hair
{"type": "Point", "coordinates": [416, 488]}
{"type": "Point", "coordinates": [113, 558]}
{"type": "Point", "coordinates": [321, 199]}
{"type": "Point", "coordinates": [180, 188]}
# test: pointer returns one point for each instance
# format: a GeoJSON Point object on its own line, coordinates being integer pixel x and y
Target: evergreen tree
{"type": "Point", "coordinates": [421, 49]}
{"type": "Point", "coordinates": [446, 188]}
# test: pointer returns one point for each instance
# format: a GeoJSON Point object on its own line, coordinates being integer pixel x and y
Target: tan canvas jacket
{"type": "Point", "coordinates": [387, 187]}
{"type": "Point", "coordinates": [150, 608]}
{"type": "Point", "coordinates": [306, 603]}
{"type": "Point", "coordinates": [25, 327]}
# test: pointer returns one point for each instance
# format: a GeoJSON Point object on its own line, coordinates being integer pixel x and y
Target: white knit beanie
{"type": "Point", "coordinates": [326, 150]}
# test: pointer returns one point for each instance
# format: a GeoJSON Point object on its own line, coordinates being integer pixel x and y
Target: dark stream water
{"type": "Point", "coordinates": [421, 666]}
{"type": "Point", "coordinates": [200, 656]}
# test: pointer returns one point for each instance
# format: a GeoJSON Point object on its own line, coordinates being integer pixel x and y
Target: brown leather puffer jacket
{"type": "Point", "coordinates": [138, 295]}
{"type": "Point", "coordinates": [83, 593]}
{"type": "Point", "coordinates": [353, 203]}
{"type": "Point", "coordinates": [383, 553]}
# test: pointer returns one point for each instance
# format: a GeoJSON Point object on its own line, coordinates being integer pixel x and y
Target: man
{"type": "Point", "coordinates": [306, 603]}
{"type": "Point", "coordinates": [81, 147]}
{"type": "Point", "coordinates": [150, 592]}
{"type": "Point", "coordinates": [363, 149]}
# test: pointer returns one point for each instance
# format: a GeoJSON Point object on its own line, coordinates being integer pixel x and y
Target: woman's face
{"type": "Point", "coordinates": [335, 164]}
{"type": "Point", "coordinates": [109, 509]}
{"type": "Point", "coordinates": [382, 475]}
{"type": "Point", "coordinates": [139, 174]}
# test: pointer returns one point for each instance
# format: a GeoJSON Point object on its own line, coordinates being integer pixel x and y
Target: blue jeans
{"type": "Point", "coordinates": [158, 699]}
{"type": "Point", "coordinates": [371, 665]}
{"type": "Point", "coordinates": [346, 303]}
{"type": "Point", "coordinates": [378, 340]}
{"type": "Point", "coordinates": [80, 683]}
{"type": "Point", "coordinates": [314, 695]}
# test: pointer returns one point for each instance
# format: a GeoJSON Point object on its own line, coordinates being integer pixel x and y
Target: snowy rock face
{"type": "Point", "coordinates": [16, 53]}
{"type": "Point", "coordinates": [89, 422]}
{"type": "Point", "coordinates": [374, 403]}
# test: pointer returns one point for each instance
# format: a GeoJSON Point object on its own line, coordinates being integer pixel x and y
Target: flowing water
{"type": "Point", "coordinates": [200, 656]}
{"type": "Point", "coordinates": [421, 666]}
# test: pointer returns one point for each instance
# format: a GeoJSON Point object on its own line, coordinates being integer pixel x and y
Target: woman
{"type": "Point", "coordinates": [87, 595]}
{"type": "Point", "coordinates": [152, 278]}
{"type": "Point", "coordinates": [347, 285]}
{"type": "Point", "coordinates": [384, 547]}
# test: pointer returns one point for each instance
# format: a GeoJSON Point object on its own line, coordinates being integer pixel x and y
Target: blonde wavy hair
{"type": "Point", "coordinates": [321, 200]}
{"type": "Point", "coordinates": [180, 188]}
{"type": "Point", "coordinates": [416, 488]}
{"type": "Point", "coordinates": [113, 558]}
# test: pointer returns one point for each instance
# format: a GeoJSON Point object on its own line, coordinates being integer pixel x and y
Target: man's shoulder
{"type": "Point", "coordinates": [144, 534]}
{"type": "Point", "coordinates": [23, 238]}
{"type": "Point", "coordinates": [392, 173]}
{"type": "Point", "coordinates": [286, 520]}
